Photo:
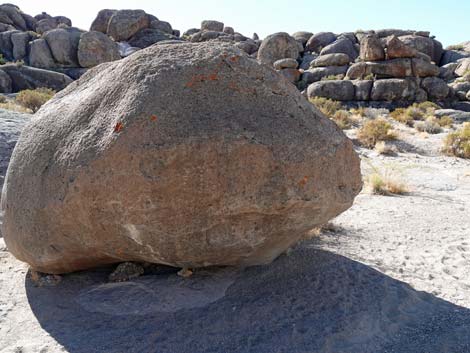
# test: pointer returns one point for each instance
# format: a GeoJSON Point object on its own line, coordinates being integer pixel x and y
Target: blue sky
{"type": "Point", "coordinates": [448, 20]}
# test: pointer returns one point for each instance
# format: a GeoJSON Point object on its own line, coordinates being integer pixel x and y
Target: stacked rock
{"type": "Point", "coordinates": [215, 30]}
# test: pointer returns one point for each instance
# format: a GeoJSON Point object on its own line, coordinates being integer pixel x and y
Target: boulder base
{"type": "Point", "coordinates": [182, 154]}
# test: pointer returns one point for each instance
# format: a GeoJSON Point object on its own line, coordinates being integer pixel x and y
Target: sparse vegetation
{"type": "Point", "coordinates": [455, 47]}
{"type": "Point", "coordinates": [34, 99]}
{"type": "Point", "coordinates": [385, 148]}
{"type": "Point", "coordinates": [342, 118]}
{"type": "Point", "coordinates": [369, 77]}
{"type": "Point", "coordinates": [458, 142]}
{"type": "Point", "coordinates": [385, 185]}
{"type": "Point", "coordinates": [446, 121]}
{"type": "Point", "coordinates": [327, 106]}
{"type": "Point", "coordinates": [374, 131]}
{"type": "Point", "coordinates": [417, 111]}
{"type": "Point", "coordinates": [430, 125]}
{"type": "Point", "coordinates": [333, 77]}
{"type": "Point", "coordinates": [2, 60]}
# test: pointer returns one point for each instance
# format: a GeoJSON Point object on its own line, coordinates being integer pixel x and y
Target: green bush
{"type": "Point", "coordinates": [34, 99]}
{"type": "Point", "coordinates": [374, 131]}
{"type": "Point", "coordinates": [327, 106]}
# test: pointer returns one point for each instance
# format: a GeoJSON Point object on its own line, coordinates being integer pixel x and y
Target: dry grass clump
{"type": "Point", "coordinates": [327, 106]}
{"type": "Point", "coordinates": [333, 77]}
{"type": "Point", "coordinates": [430, 125]}
{"type": "Point", "coordinates": [417, 111]}
{"type": "Point", "coordinates": [385, 185]}
{"type": "Point", "coordinates": [11, 105]}
{"type": "Point", "coordinates": [374, 131]}
{"type": "Point", "coordinates": [33, 99]}
{"type": "Point", "coordinates": [458, 143]}
{"type": "Point", "coordinates": [342, 118]}
{"type": "Point", "coordinates": [445, 121]}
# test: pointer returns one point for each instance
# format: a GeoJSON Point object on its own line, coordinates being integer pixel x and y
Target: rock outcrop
{"type": "Point", "coordinates": [117, 168]}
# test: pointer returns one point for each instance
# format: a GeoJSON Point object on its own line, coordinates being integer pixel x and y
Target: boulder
{"type": "Point", "coordinates": [277, 46]}
{"type": "Point", "coordinates": [125, 23]}
{"type": "Point", "coordinates": [63, 43]}
{"type": "Point", "coordinates": [162, 26]}
{"type": "Point", "coordinates": [20, 42]}
{"type": "Point", "coordinates": [340, 90]}
{"type": "Point", "coordinates": [397, 49]}
{"type": "Point", "coordinates": [382, 33]}
{"type": "Point", "coordinates": [286, 64]}
{"type": "Point", "coordinates": [320, 40]}
{"type": "Point", "coordinates": [457, 115]}
{"type": "Point", "coordinates": [423, 68]}
{"type": "Point", "coordinates": [101, 22]}
{"type": "Point", "coordinates": [382, 69]}
{"type": "Point", "coordinates": [13, 14]}
{"type": "Point", "coordinates": [26, 77]}
{"type": "Point", "coordinates": [40, 54]}
{"type": "Point", "coordinates": [452, 56]}
{"type": "Point", "coordinates": [248, 47]}
{"type": "Point", "coordinates": [446, 72]}
{"type": "Point", "coordinates": [302, 37]}
{"type": "Point", "coordinates": [290, 74]}
{"type": "Point", "coordinates": [228, 30]}
{"type": "Point", "coordinates": [362, 89]}
{"type": "Point", "coordinates": [62, 20]}
{"type": "Point", "coordinates": [342, 45]}
{"type": "Point", "coordinates": [148, 36]}
{"type": "Point", "coordinates": [118, 168]}
{"type": "Point", "coordinates": [307, 61]}
{"type": "Point", "coordinates": [30, 21]}
{"type": "Point", "coordinates": [96, 48]}
{"type": "Point", "coordinates": [425, 45]}
{"type": "Point", "coordinates": [45, 25]}
{"type": "Point", "coordinates": [371, 49]}
{"type": "Point", "coordinates": [210, 25]}
{"type": "Point", "coordinates": [317, 73]}
{"type": "Point", "coordinates": [463, 67]}
{"type": "Point", "coordinates": [6, 46]}
{"type": "Point", "coordinates": [394, 89]}
{"type": "Point", "coordinates": [338, 59]}
{"type": "Point", "coordinates": [435, 87]}
{"type": "Point", "coordinates": [11, 125]}
{"type": "Point", "coordinates": [5, 83]}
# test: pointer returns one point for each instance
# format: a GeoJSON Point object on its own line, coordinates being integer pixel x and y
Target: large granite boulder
{"type": "Point", "coordinates": [278, 46]}
{"type": "Point", "coordinates": [397, 49]}
{"type": "Point", "coordinates": [426, 45]}
{"type": "Point", "coordinates": [435, 87]}
{"type": "Point", "coordinates": [394, 89]}
{"type": "Point", "coordinates": [341, 45]}
{"type": "Point", "coordinates": [96, 48]}
{"type": "Point", "coordinates": [118, 167]}
{"type": "Point", "coordinates": [317, 73]}
{"type": "Point", "coordinates": [40, 54]}
{"type": "Point", "coordinates": [148, 36]}
{"type": "Point", "coordinates": [338, 59]}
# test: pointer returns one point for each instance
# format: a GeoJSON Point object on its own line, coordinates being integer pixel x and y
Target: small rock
{"type": "Point", "coordinates": [126, 271]}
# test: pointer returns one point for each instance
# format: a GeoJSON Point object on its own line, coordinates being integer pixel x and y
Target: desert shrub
{"type": "Point", "coordinates": [385, 185]}
{"type": "Point", "coordinates": [34, 99]}
{"type": "Point", "coordinates": [2, 60]}
{"type": "Point", "coordinates": [401, 115]}
{"type": "Point", "coordinates": [456, 47]}
{"type": "Point", "coordinates": [445, 121]}
{"type": "Point", "coordinates": [342, 118]}
{"type": "Point", "coordinates": [458, 142]}
{"type": "Point", "coordinates": [333, 77]}
{"type": "Point", "coordinates": [369, 77]}
{"type": "Point", "coordinates": [417, 111]}
{"type": "Point", "coordinates": [374, 131]}
{"type": "Point", "coordinates": [327, 106]}
{"type": "Point", "coordinates": [384, 148]}
{"type": "Point", "coordinates": [430, 125]}
{"type": "Point", "coordinates": [426, 106]}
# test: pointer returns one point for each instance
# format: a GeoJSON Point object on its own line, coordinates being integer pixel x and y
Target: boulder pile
{"type": "Point", "coordinates": [117, 167]}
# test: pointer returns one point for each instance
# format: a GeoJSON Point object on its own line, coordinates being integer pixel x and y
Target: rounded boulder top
{"type": "Point", "coordinates": [182, 154]}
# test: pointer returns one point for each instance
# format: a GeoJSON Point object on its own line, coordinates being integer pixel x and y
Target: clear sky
{"type": "Point", "coordinates": [448, 20]}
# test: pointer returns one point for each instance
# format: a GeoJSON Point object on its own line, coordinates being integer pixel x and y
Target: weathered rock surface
{"type": "Point", "coordinates": [340, 90]}
{"type": "Point", "coordinates": [342, 45]}
{"type": "Point", "coordinates": [317, 73]}
{"type": "Point", "coordinates": [320, 40]}
{"type": "Point", "coordinates": [435, 87]}
{"type": "Point", "coordinates": [394, 89]}
{"type": "Point", "coordinates": [397, 49]}
{"type": "Point", "coordinates": [26, 77]}
{"type": "Point", "coordinates": [148, 36]}
{"type": "Point", "coordinates": [101, 22]}
{"type": "Point", "coordinates": [96, 48]}
{"type": "Point", "coordinates": [371, 49]}
{"type": "Point", "coordinates": [114, 169]}
{"type": "Point", "coordinates": [63, 43]}
{"type": "Point", "coordinates": [40, 54]}
{"type": "Point", "coordinates": [337, 59]}
{"type": "Point", "coordinates": [278, 46]}
{"type": "Point", "coordinates": [124, 24]}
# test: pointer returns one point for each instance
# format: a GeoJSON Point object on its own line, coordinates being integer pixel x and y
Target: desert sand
{"type": "Point", "coordinates": [388, 275]}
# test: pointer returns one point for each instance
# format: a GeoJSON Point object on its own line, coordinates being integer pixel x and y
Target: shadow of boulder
{"type": "Point", "coordinates": [309, 301]}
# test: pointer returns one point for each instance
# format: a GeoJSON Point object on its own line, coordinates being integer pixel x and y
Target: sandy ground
{"type": "Point", "coordinates": [389, 275]}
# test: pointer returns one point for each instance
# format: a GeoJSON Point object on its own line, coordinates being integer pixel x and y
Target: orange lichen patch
{"type": "Point", "coordinates": [202, 78]}
{"type": "Point", "coordinates": [234, 59]}
{"type": "Point", "coordinates": [118, 127]}
{"type": "Point", "coordinates": [153, 118]}
{"type": "Point", "coordinates": [234, 86]}
{"type": "Point", "coordinates": [303, 181]}
{"type": "Point", "coordinates": [213, 77]}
